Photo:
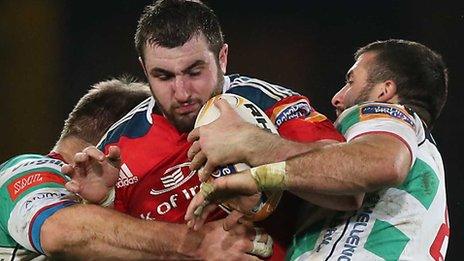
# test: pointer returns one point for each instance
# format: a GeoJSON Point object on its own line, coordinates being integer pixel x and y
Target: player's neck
{"type": "Point", "coordinates": [69, 146]}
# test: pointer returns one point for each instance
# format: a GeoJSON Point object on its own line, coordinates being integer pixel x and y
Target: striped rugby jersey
{"type": "Point", "coordinates": [31, 190]}
{"type": "Point", "coordinates": [407, 222]}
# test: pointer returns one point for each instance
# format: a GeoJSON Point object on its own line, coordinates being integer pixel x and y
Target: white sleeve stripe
{"type": "Point", "coordinates": [267, 92]}
{"type": "Point", "coordinates": [240, 82]}
{"type": "Point", "coordinates": [141, 107]}
{"type": "Point", "coordinates": [146, 105]}
{"type": "Point", "coordinates": [271, 88]}
{"type": "Point", "coordinates": [278, 88]}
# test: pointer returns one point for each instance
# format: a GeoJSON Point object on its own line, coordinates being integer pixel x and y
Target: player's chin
{"type": "Point", "coordinates": [184, 123]}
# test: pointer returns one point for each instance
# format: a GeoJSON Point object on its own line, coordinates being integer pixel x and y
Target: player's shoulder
{"type": "Point", "coordinates": [261, 93]}
{"type": "Point", "coordinates": [371, 112]}
{"type": "Point", "coordinates": [27, 161]}
{"type": "Point", "coordinates": [134, 124]}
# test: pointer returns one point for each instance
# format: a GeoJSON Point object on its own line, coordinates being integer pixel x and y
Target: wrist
{"type": "Point", "coordinates": [105, 202]}
{"type": "Point", "coordinates": [109, 199]}
{"type": "Point", "coordinates": [189, 242]}
{"type": "Point", "coordinates": [271, 176]}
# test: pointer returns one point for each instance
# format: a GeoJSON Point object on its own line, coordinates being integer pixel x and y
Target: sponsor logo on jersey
{"type": "Point", "coordinates": [126, 178]}
{"type": "Point", "coordinates": [224, 171]}
{"type": "Point", "coordinates": [284, 113]}
{"type": "Point", "coordinates": [173, 178]}
{"type": "Point", "coordinates": [44, 196]}
{"type": "Point", "coordinates": [259, 117]}
{"type": "Point", "coordinates": [380, 111]}
{"type": "Point", "coordinates": [355, 234]}
{"type": "Point", "coordinates": [39, 162]}
{"type": "Point", "coordinates": [20, 185]}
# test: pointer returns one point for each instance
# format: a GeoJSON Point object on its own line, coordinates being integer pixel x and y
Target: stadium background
{"type": "Point", "coordinates": [51, 51]}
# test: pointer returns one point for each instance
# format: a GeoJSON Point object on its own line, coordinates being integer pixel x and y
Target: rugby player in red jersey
{"type": "Point", "coordinates": [184, 57]}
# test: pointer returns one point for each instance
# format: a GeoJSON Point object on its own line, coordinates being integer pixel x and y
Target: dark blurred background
{"type": "Point", "coordinates": [52, 51]}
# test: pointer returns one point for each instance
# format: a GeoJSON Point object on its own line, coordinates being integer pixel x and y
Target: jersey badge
{"type": "Point", "coordinates": [286, 112]}
{"type": "Point", "coordinates": [372, 111]}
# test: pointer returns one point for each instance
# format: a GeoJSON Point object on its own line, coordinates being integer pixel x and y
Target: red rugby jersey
{"type": "Point", "coordinates": [155, 182]}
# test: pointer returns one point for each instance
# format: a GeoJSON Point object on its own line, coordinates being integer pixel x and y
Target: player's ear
{"type": "Point", "coordinates": [222, 59]}
{"type": "Point", "coordinates": [143, 66]}
{"type": "Point", "coordinates": [386, 91]}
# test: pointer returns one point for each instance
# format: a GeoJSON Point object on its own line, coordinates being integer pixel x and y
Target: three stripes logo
{"type": "Point", "coordinates": [126, 177]}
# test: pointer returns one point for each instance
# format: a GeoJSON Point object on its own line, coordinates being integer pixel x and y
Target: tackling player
{"type": "Point", "coordinates": [32, 186]}
{"type": "Point", "coordinates": [392, 97]}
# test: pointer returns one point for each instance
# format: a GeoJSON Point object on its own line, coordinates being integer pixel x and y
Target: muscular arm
{"type": "Point", "coordinates": [89, 231]}
{"type": "Point", "coordinates": [260, 147]}
{"type": "Point", "coordinates": [277, 149]}
{"type": "Point", "coordinates": [86, 232]}
{"type": "Point", "coordinates": [322, 175]}
{"type": "Point", "coordinates": [257, 147]}
{"type": "Point", "coordinates": [367, 163]}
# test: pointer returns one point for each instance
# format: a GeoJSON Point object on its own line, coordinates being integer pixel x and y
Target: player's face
{"type": "Point", "coordinates": [183, 78]}
{"type": "Point", "coordinates": [357, 88]}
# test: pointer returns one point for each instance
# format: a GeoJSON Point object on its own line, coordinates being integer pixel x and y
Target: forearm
{"type": "Point", "coordinates": [262, 147]}
{"type": "Point", "coordinates": [88, 231]}
{"type": "Point", "coordinates": [362, 166]}
{"type": "Point", "coordinates": [276, 149]}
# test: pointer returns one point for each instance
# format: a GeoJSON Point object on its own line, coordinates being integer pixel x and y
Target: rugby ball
{"type": "Point", "coordinates": [251, 113]}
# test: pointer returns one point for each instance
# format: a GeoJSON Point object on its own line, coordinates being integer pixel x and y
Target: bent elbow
{"type": "Point", "coordinates": [348, 203]}
{"type": "Point", "coordinates": [354, 202]}
{"type": "Point", "coordinates": [391, 173]}
{"type": "Point", "coordinates": [396, 175]}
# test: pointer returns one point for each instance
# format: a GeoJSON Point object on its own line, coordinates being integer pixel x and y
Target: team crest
{"type": "Point", "coordinates": [173, 178]}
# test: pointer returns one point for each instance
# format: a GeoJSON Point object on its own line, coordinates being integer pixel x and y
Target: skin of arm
{"type": "Point", "coordinates": [277, 149]}
{"type": "Point", "coordinates": [367, 163]}
{"type": "Point", "coordinates": [88, 231]}
{"type": "Point", "coordinates": [84, 231]}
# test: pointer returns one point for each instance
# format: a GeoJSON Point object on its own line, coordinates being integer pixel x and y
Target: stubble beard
{"type": "Point", "coordinates": [362, 98]}
{"type": "Point", "coordinates": [185, 123]}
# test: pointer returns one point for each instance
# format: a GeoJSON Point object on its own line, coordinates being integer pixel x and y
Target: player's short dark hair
{"type": "Point", "coordinates": [419, 73]}
{"type": "Point", "coordinates": [172, 23]}
{"type": "Point", "coordinates": [104, 104]}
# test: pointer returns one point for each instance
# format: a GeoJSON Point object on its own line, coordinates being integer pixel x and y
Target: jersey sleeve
{"type": "Point", "coordinates": [391, 119]}
{"type": "Point", "coordinates": [31, 190]}
{"type": "Point", "coordinates": [135, 123]}
{"type": "Point", "coordinates": [290, 112]}
{"type": "Point", "coordinates": [297, 120]}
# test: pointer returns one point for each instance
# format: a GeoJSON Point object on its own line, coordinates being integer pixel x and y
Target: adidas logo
{"type": "Point", "coordinates": [126, 177]}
